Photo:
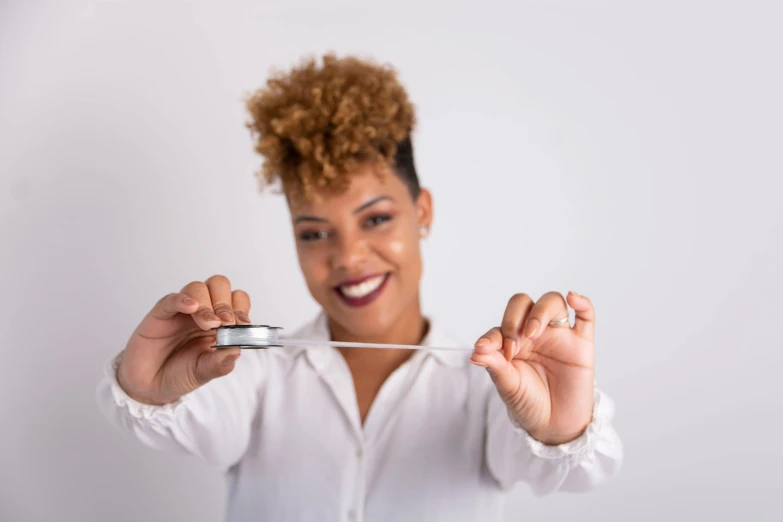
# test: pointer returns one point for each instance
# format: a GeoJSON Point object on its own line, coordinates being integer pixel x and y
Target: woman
{"type": "Point", "coordinates": [316, 433]}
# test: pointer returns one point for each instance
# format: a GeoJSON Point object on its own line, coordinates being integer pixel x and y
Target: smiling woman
{"type": "Point", "coordinates": [311, 432]}
{"type": "Point", "coordinates": [359, 254]}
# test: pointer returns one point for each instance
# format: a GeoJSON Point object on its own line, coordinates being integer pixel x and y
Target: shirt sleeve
{"type": "Point", "coordinates": [213, 422]}
{"type": "Point", "coordinates": [576, 466]}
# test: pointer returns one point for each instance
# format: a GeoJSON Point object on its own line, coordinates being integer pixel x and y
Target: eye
{"type": "Point", "coordinates": [313, 235]}
{"type": "Point", "coordinates": [377, 219]}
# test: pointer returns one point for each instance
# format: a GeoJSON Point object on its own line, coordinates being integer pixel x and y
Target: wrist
{"type": "Point", "coordinates": [129, 391]}
{"type": "Point", "coordinates": [553, 438]}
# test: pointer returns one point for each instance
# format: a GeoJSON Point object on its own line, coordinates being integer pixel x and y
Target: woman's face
{"type": "Point", "coordinates": [359, 251]}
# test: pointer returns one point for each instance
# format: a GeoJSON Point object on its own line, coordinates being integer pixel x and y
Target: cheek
{"type": "Point", "coordinates": [313, 268]}
{"type": "Point", "coordinates": [402, 250]}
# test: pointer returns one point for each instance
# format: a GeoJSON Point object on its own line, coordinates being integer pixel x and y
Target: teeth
{"type": "Point", "coordinates": [363, 288]}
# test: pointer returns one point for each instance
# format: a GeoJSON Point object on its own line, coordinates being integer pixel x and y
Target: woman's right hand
{"type": "Point", "coordinates": [170, 354]}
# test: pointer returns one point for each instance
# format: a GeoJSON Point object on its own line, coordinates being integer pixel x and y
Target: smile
{"type": "Point", "coordinates": [362, 292]}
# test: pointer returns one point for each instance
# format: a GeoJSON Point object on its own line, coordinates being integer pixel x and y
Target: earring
{"type": "Point", "coordinates": [424, 231]}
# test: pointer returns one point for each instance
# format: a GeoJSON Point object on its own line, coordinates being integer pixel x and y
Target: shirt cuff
{"type": "Point", "coordinates": [151, 412]}
{"type": "Point", "coordinates": [582, 446]}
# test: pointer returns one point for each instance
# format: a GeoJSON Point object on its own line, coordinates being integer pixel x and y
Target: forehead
{"type": "Point", "coordinates": [366, 183]}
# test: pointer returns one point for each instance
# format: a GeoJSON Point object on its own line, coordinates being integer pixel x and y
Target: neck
{"type": "Point", "coordinates": [409, 329]}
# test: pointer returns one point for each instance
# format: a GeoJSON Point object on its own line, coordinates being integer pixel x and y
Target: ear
{"type": "Point", "coordinates": [424, 208]}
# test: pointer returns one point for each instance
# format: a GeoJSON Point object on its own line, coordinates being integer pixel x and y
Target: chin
{"type": "Point", "coordinates": [367, 323]}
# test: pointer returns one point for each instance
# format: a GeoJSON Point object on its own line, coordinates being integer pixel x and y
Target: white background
{"type": "Point", "coordinates": [630, 151]}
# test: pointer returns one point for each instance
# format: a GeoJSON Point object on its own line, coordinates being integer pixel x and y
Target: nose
{"type": "Point", "coordinates": [349, 252]}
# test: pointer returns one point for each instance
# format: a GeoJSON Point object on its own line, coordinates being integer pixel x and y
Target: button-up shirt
{"type": "Point", "coordinates": [437, 444]}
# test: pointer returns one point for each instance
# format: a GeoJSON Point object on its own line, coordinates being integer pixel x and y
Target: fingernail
{"type": "Point", "coordinates": [209, 316]}
{"type": "Point", "coordinates": [478, 363]}
{"type": "Point", "coordinates": [242, 317]}
{"type": "Point", "coordinates": [189, 301]}
{"type": "Point", "coordinates": [482, 342]}
{"type": "Point", "coordinates": [531, 328]}
{"type": "Point", "coordinates": [225, 316]}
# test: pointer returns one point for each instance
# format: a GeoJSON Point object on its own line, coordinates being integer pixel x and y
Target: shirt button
{"type": "Point", "coordinates": [352, 515]}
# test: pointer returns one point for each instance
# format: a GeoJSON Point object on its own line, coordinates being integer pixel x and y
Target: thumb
{"type": "Point", "coordinates": [215, 363]}
{"type": "Point", "coordinates": [504, 375]}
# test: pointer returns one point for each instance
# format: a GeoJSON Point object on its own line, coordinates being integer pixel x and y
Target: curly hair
{"type": "Point", "coordinates": [316, 123]}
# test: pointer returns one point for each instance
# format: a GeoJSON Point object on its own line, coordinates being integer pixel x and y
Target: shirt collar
{"type": "Point", "coordinates": [318, 329]}
{"type": "Point", "coordinates": [438, 337]}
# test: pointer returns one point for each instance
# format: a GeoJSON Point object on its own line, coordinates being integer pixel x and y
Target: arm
{"type": "Point", "coordinates": [212, 422]}
{"type": "Point", "coordinates": [546, 422]}
{"type": "Point", "coordinates": [582, 464]}
{"type": "Point", "coordinates": [173, 390]}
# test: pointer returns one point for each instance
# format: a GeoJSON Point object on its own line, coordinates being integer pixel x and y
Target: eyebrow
{"type": "Point", "coordinates": [364, 206]}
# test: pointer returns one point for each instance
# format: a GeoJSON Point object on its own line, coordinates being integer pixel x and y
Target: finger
{"type": "Point", "coordinates": [220, 294]}
{"type": "Point", "coordinates": [203, 316]}
{"type": "Point", "coordinates": [506, 377]}
{"type": "Point", "coordinates": [240, 301]}
{"type": "Point", "coordinates": [155, 324]}
{"type": "Point", "coordinates": [551, 307]}
{"type": "Point", "coordinates": [517, 310]}
{"type": "Point", "coordinates": [584, 323]}
{"type": "Point", "coordinates": [215, 363]}
{"type": "Point", "coordinates": [172, 304]}
{"type": "Point", "coordinates": [492, 341]}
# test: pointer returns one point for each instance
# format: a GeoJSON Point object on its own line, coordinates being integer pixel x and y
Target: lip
{"type": "Point", "coordinates": [367, 299]}
{"type": "Point", "coordinates": [358, 280]}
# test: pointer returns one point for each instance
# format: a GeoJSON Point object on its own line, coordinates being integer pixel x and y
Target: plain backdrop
{"type": "Point", "coordinates": [630, 151]}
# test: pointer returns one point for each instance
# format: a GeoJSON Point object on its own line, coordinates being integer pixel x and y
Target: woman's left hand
{"type": "Point", "coordinates": [543, 373]}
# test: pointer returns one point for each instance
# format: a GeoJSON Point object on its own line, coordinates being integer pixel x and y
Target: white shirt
{"type": "Point", "coordinates": [438, 443]}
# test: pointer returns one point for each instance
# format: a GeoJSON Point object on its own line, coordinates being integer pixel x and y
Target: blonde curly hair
{"type": "Point", "coordinates": [316, 123]}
